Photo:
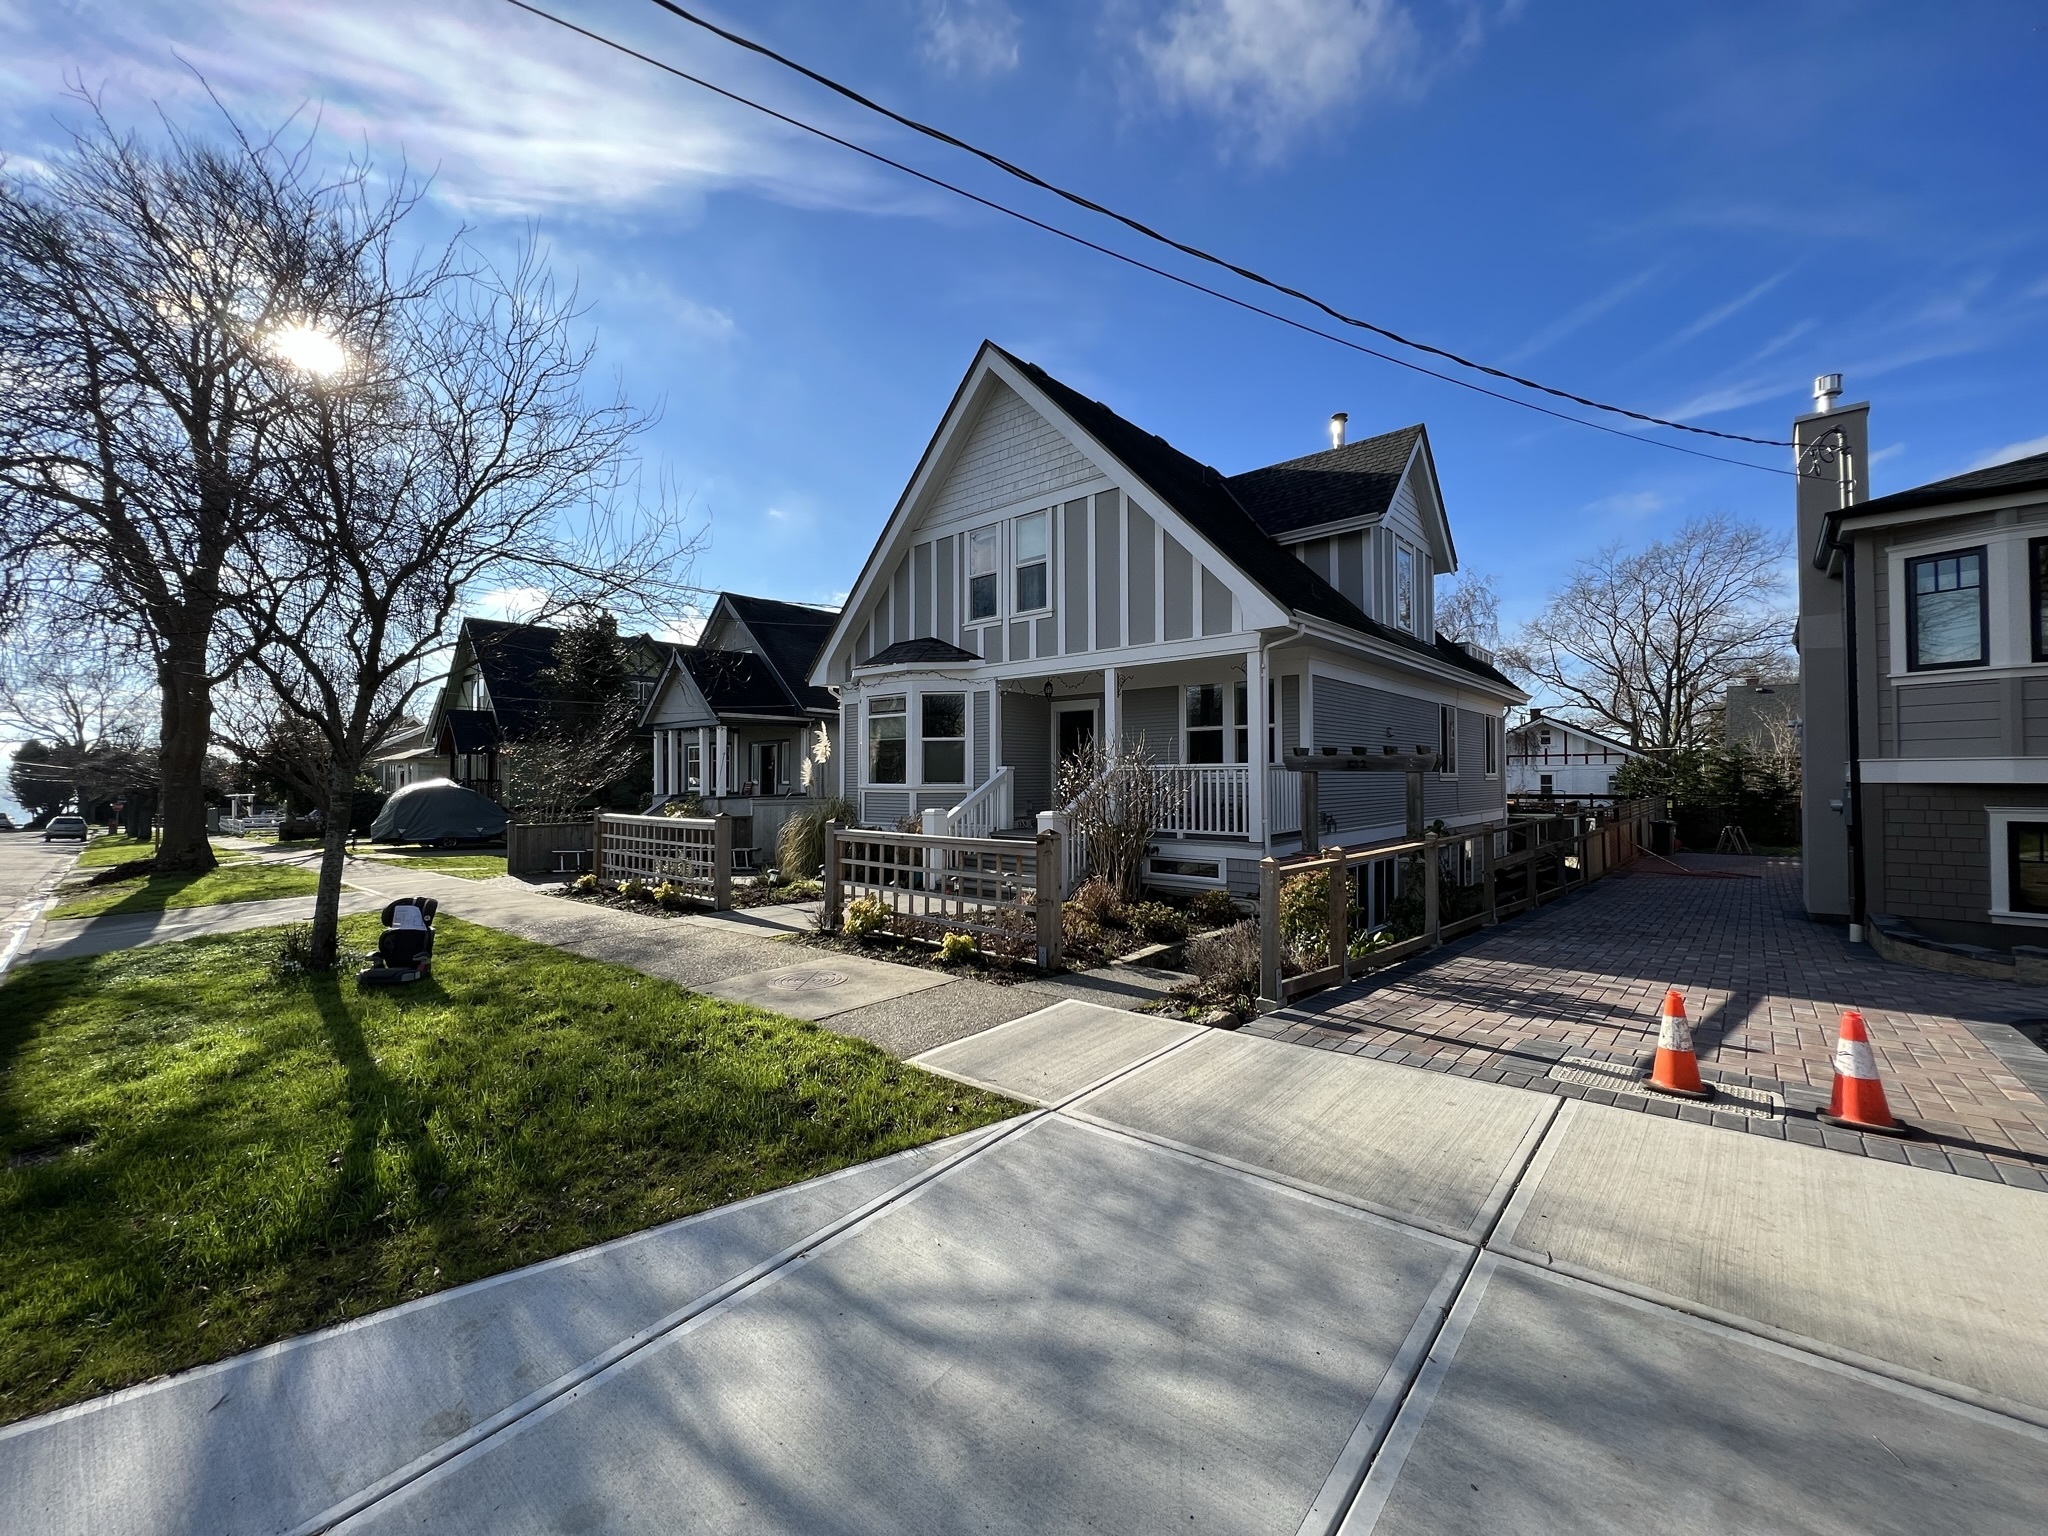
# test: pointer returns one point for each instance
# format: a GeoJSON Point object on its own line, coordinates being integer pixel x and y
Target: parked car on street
{"type": "Point", "coordinates": [66, 826]}
{"type": "Point", "coordinates": [7, 823]}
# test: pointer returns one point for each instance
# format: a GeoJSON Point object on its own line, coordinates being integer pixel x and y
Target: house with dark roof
{"type": "Point", "coordinates": [738, 724]}
{"type": "Point", "coordinates": [1555, 759]}
{"type": "Point", "coordinates": [495, 695]}
{"type": "Point", "coordinates": [1923, 668]}
{"type": "Point", "coordinates": [1055, 576]}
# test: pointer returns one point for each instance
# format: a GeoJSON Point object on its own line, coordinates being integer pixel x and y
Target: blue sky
{"type": "Point", "coordinates": [1691, 214]}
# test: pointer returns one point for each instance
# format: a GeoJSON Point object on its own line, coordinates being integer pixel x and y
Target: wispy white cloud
{"type": "Point", "coordinates": [970, 37]}
{"type": "Point", "coordinates": [1271, 69]}
{"type": "Point", "coordinates": [1888, 452]}
{"type": "Point", "coordinates": [2011, 451]}
{"type": "Point", "coordinates": [1577, 319]}
{"type": "Point", "coordinates": [1631, 504]}
{"type": "Point", "coordinates": [511, 114]}
{"type": "Point", "coordinates": [1733, 307]}
{"type": "Point", "coordinates": [513, 604]}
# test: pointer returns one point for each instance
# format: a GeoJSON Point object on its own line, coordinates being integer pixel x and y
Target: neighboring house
{"type": "Point", "coordinates": [1762, 714]}
{"type": "Point", "coordinates": [1053, 576]}
{"type": "Point", "coordinates": [1552, 758]}
{"type": "Point", "coordinates": [494, 695]}
{"type": "Point", "coordinates": [1932, 604]}
{"type": "Point", "coordinates": [407, 756]}
{"type": "Point", "coordinates": [737, 722]}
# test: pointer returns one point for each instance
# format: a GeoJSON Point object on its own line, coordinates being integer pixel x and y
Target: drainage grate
{"type": "Point", "coordinates": [1590, 1072]}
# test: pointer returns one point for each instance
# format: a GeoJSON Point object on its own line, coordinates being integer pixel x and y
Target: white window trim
{"type": "Point", "coordinates": [2001, 818]}
{"type": "Point", "coordinates": [1016, 564]}
{"type": "Point", "coordinates": [1447, 731]}
{"type": "Point", "coordinates": [1496, 744]}
{"type": "Point", "coordinates": [2010, 646]}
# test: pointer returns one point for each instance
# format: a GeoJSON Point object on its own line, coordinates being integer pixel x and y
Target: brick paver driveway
{"type": "Point", "coordinates": [1764, 987]}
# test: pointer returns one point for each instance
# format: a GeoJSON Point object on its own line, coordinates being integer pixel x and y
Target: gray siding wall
{"type": "Point", "coordinates": [1959, 719]}
{"type": "Point", "coordinates": [1215, 605]}
{"type": "Point", "coordinates": [1109, 543]}
{"type": "Point", "coordinates": [947, 582]}
{"type": "Point", "coordinates": [1011, 453]}
{"type": "Point", "coordinates": [1027, 748]}
{"type": "Point", "coordinates": [922, 612]}
{"type": "Point", "coordinates": [1348, 715]}
{"type": "Point", "coordinates": [1152, 715]}
{"type": "Point", "coordinates": [1290, 712]}
{"type": "Point", "coordinates": [1351, 567]}
{"type": "Point", "coordinates": [1144, 622]}
{"type": "Point", "coordinates": [2034, 715]}
{"type": "Point", "coordinates": [1178, 599]}
{"type": "Point", "coordinates": [885, 808]}
{"type": "Point", "coordinates": [1075, 550]}
{"type": "Point", "coordinates": [981, 739]}
{"type": "Point", "coordinates": [849, 754]}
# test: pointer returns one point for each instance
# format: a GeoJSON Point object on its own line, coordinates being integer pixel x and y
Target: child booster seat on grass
{"type": "Point", "coordinates": [405, 950]}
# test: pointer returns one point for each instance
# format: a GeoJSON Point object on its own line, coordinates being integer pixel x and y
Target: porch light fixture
{"type": "Point", "coordinates": [1048, 688]}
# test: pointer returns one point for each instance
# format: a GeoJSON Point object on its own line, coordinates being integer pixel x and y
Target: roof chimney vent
{"type": "Point", "coordinates": [1337, 421]}
{"type": "Point", "coordinates": [1827, 389]}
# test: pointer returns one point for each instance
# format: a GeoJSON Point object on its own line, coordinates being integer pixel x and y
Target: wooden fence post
{"type": "Point", "coordinates": [1269, 922]}
{"type": "Point", "coordinates": [1340, 917]}
{"type": "Point", "coordinates": [831, 915]}
{"type": "Point", "coordinates": [1432, 882]}
{"type": "Point", "coordinates": [1487, 874]}
{"type": "Point", "coordinates": [1051, 877]}
{"type": "Point", "coordinates": [1311, 812]}
{"type": "Point", "coordinates": [721, 861]}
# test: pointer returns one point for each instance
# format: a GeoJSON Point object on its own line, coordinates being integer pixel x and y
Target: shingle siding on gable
{"type": "Point", "coordinates": [1011, 454]}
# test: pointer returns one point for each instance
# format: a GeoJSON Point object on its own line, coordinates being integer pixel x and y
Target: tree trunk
{"type": "Point", "coordinates": [187, 729]}
{"type": "Point", "coordinates": [341, 789]}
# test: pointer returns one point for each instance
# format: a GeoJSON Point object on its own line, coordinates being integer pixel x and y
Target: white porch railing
{"type": "Point", "coordinates": [1283, 800]}
{"type": "Point", "coordinates": [982, 814]}
{"type": "Point", "coordinates": [1206, 799]}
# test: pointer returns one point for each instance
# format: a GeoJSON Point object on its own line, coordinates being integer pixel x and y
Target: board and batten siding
{"type": "Point", "coordinates": [1027, 748]}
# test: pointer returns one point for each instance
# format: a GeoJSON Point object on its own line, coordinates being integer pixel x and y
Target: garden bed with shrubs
{"type": "Point", "coordinates": [663, 898]}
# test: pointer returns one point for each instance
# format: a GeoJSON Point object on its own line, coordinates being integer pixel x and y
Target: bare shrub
{"type": "Point", "coordinates": [1226, 963]}
{"type": "Point", "coordinates": [1116, 806]}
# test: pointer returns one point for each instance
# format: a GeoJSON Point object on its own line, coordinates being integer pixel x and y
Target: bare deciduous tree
{"type": "Point", "coordinates": [1468, 608]}
{"type": "Point", "coordinates": [70, 684]}
{"type": "Point", "coordinates": [1646, 642]}
{"type": "Point", "coordinates": [449, 449]}
{"type": "Point", "coordinates": [145, 296]}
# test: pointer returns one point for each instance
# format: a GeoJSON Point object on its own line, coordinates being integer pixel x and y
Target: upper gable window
{"type": "Point", "coordinates": [984, 549]}
{"type": "Point", "coordinates": [1945, 614]}
{"type": "Point", "coordinates": [1404, 587]}
{"type": "Point", "coordinates": [1032, 546]}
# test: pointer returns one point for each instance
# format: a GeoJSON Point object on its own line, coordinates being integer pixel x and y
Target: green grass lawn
{"type": "Point", "coordinates": [203, 1157]}
{"type": "Point", "coordinates": [470, 866]}
{"type": "Point", "coordinates": [229, 882]}
{"type": "Point", "coordinates": [111, 848]}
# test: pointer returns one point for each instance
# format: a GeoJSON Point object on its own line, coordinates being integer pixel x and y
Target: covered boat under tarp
{"type": "Point", "coordinates": [438, 811]}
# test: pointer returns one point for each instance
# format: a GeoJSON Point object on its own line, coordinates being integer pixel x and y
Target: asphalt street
{"type": "Point", "coordinates": [29, 870]}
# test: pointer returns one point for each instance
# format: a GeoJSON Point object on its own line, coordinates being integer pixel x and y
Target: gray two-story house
{"type": "Point", "coordinates": [1923, 638]}
{"type": "Point", "coordinates": [1054, 576]}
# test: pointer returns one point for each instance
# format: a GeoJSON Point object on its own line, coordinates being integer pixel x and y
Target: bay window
{"type": "Point", "coordinates": [888, 752]}
{"type": "Point", "coordinates": [1946, 621]}
{"type": "Point", "coordinates": [942, 726]}
{"type": "Point", "coordinates": [1032, 546]}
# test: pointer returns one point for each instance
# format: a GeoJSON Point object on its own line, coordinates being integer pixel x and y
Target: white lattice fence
{"type": "Point", "coordinates": [988, 887]}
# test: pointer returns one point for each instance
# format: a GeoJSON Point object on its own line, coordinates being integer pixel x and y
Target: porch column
{"type": "Point", "coordinates": [1255, 746]}
{"type": "Point", "coordinates": [724, 781]}
{"type": "Point", "coordinates": [703, 760]}
{"type": "Point", "coordinates": [660, 764]}
{"type": "Point", "coordinates": [1112, 716]}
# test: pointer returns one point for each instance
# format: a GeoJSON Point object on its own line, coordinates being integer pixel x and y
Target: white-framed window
{"type": "Point", "coordinates": [984, 553]}
{"type": "Point", "coordinates": [1447, 737]}
{"type": "Point", "coordinates": [1033, 549]}
{"type": "Point", "coordinates": [1948, 619]}
{"type": "Point", "coordinates": [1204, 737]}
{"type": "Point", "coordinates": [1493, 726]}
{"type": "Point", "coordinates": [1241, 699]}
{"type": "Point", "coordinates": [888, 751]}
{"type": "Point", "coordinates": [2019, 863]}
{"type": "Point", "coordinates": [1404, 588]}
{"type": "Point", "coordinates": [942, 729]}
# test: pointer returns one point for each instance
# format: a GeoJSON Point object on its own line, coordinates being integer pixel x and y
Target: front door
{"type": "Point", "coordinates": [768, 767]}
{"type": "Point", "coordinates": [1073, 734]}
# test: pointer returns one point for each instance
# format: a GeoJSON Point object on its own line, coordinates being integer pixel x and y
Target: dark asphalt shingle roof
{"type": "Point", "coordinates": [791, 635]}
{"type": "Point", "coordinates": [467, 730]}
{"type": "Point", "coordinates": [1337, 485]}
{"type": "Point", "coordinates": [929, 648]}
{"type": "Point", "coordinates": [2028, 474]}
{"type": "Point", "coordinates": [738, 683]}
{"type": "Point", "coordinates": [511, 658]}
{"type": "Point", "coordinates": [1202, 496]}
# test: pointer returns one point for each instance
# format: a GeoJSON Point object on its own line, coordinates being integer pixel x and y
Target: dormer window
{"type": "Point", "coordinates": [1032, 544]}
{"type": "Point", "coordinates": [984, 550]}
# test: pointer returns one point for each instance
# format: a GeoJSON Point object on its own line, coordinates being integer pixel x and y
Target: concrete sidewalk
{"type": "Point", "coordinates": [1194, 1290]}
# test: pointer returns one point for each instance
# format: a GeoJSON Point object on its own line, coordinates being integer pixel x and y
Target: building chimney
{"type": "Point", "coordinates": [1827, 389]}
{"type": "Point", "coordinates": [1337, 428]}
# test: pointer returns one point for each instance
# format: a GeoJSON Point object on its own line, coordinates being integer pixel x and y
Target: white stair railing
{"type": "Point", "coordinates": [982, 814]}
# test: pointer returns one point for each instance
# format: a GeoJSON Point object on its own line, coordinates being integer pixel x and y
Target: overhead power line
{"type": "Point", "coordinates": [1124, 257]}
{"type": "Point", "coordinates": [1010, 168]}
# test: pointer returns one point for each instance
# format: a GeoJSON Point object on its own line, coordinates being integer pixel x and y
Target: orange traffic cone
{"type": "Point", "coordinates": [1677, 1070]}
{"type": "Point", "coordinates": [1857, 1104]}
